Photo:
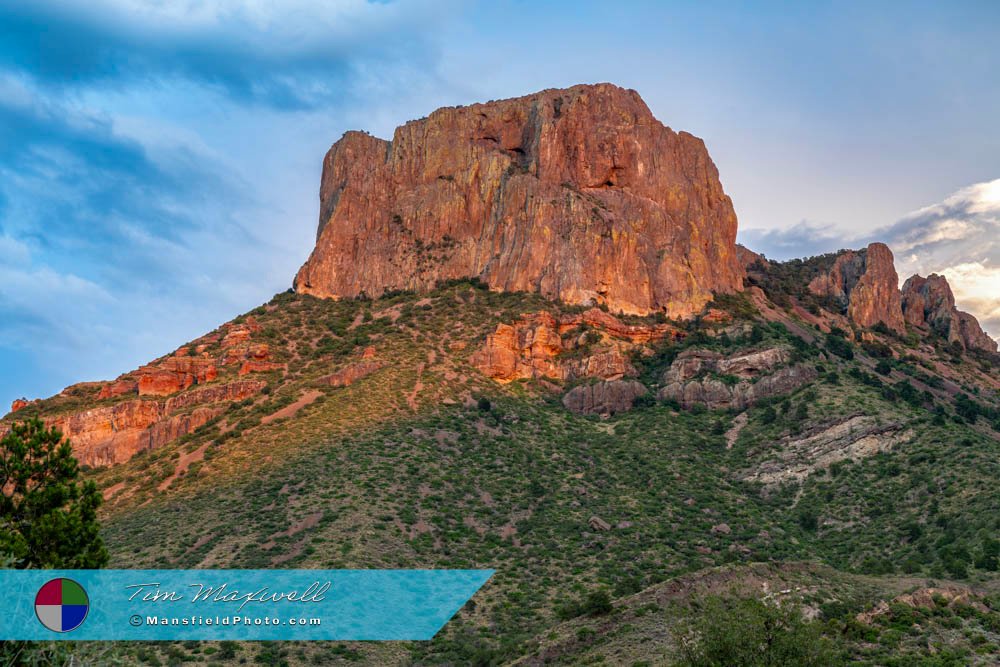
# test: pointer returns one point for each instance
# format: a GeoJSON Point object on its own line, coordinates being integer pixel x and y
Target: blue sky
{"type": "Point", "coordinates": [159, 162]}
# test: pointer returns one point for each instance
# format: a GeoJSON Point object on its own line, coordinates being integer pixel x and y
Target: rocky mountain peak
{"type": "Point", "coordinates": [866, 283]}
{"type": "Point", "coordinates": [579, 194]}
{"type": "Point", "coordinates": [928, 303]}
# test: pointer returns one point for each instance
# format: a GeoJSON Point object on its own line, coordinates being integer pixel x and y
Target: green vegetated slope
{"type": "Point", "coordinates": [427, 463]}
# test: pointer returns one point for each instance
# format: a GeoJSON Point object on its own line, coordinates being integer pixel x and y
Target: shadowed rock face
{"type": "Point", "coordinates": [928, 302]}
{"type": "Point", "coordinates": [700, 377]}
{"type": "Point", "coordinates": [866, 284]}
{"type": "Point", "coordinates": [604, 398]}
{"type": "Point", "coordinates": [579, 194]}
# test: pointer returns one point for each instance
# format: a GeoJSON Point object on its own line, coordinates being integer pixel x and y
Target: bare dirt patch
{"type": "Point", "coordinates": [291, 410]}
{"type": "Point", "coordinates": [112, 490]}
{"type": "Point", "coordinates": [411, 398]}
{"type": "Point", "coordinates": [734, 431]}
{"type": "Point", "coordinates": [183, 463]}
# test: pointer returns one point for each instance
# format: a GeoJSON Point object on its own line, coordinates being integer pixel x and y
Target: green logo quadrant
{"type": "Point", "coordinates": [61, 605]}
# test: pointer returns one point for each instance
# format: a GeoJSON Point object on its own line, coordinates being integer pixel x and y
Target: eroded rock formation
{"type": "Point", "coordinates": [114, 433]}
{"type": "Point", "coordinates": [161, 401]}
{"type": "Point", "coordinates": [352, 372]}
{"type": "Point", "coordinates": [175, 374]}
{"type": "Point", "coordinates": [927, 598]}
{"type": "Point", "coordinates": [579, 194]}
{"type": "Point", "coordinates": [592, 344]}
{"type": "Point", "coordinates": [865, 284]}
{"type": "Point", "coordinates": [604, 398]}
{"type": "Point", "coordinates": [703, 377]}
{"type": "Point", "coordinates": [928, 303]}
{"type": "Point", "coordinates": [853, 438]}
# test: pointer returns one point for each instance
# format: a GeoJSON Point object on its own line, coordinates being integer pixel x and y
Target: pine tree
{"type": "Point", "coordinates": [47, 518]}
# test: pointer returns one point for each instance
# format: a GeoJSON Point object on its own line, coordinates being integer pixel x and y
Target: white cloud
{"type": "Point", "coordinates": [960, 239]}
{"type": "Point", "coordinates": [13, 252]}
{"type": "Point", "coordinates": [977, 287]}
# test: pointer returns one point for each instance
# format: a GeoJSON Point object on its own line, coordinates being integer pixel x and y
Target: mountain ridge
{"type": "Point", "coordinates": [858, 289]}
{"type": "Point", "coordinates": [817, 429]}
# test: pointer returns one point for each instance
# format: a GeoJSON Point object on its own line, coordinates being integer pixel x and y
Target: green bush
{"type": "Point", "coordinates": [839, 346]}
{"type": "Point", "coordinates": [746, 632]}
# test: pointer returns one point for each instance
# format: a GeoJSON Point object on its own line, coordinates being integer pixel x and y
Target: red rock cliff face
{"type": "Point", "coordinates": [929, 303]}
{"type": "Point", "coordinates": [163, 400]}
{"type": "Point", "coordinates": [579, 194]}
{"type": "Point", "coordinates": [865, 281]}
{"type": "Point", "coordinates": [114, 433]}
{"type": "Point", "coordinates": [540, 345]}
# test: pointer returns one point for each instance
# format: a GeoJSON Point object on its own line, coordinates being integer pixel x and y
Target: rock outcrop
{"type": "Point", "coordinates": [604, 398]}
{"type": "Point", "coordinates": [703, 377]}
{"type": "Point", "coordinates": [865, 285]}
{"type": "Point", "coordinates": [175, 374]}
{"type": "Point", "coordinates": [163, 400]}
{"type": "Point", "coordinates": [114, 433]}
{"type": "Point", "coordinates": [927, 598]}
{"type": "Point", "coordinates": [928, 303]}
{"type": "Point", "coordinates": [853, 438]}
{"type": "Point", "coordinates": [351, 373]}
{"type": "Point", "coordinates": [748, 259]}
{"type": "Point", "coordinates": [578, 194]}
{"type": "Point", "coordinates": [593, 344]}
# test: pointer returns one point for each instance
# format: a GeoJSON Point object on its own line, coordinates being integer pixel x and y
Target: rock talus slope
{"type": "Point", "coordinates": [579, 194]}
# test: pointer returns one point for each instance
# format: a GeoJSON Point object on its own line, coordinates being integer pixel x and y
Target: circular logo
{"type": "Point", "coordinates": [61, 605]}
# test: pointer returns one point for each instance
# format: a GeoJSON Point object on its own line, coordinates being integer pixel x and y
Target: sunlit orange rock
{"type": "Point", "coordinates": [579, 194]}
{"type": "Point", "coordinates": [865, 283]}
{"type": "Point", "coordinates": [118, 388]}
{"type": "Point", "coordinates": [535, 345]}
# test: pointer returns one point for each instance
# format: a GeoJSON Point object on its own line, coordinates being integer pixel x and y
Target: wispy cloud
{"type": "Point", "coordinates": [148, 152]}
{"type": "Point", "coordinates": [804, 239]}
{"type": "Point", "coordinates": [291, 54]}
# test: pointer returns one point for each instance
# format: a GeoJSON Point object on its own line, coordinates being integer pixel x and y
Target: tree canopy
{"type": "Point", "coordinates": [48, 519]}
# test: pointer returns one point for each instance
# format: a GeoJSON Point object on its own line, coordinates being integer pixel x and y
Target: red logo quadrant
{"type": "Point", "coordinates": [61, 605]}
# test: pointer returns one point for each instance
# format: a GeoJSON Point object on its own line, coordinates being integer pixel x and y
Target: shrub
{"type": "Point", "coordinates": [768, 415]}
{"type": "Point", "coordinates": [748, 632]}
{"type": "Point", "coordinates": [839, 346]}
{"type": "Point", "coordinates": [595, 603]}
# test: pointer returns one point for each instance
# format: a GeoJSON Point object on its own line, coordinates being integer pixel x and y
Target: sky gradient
{"type": "Point", "coordinates": [159, 162]}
